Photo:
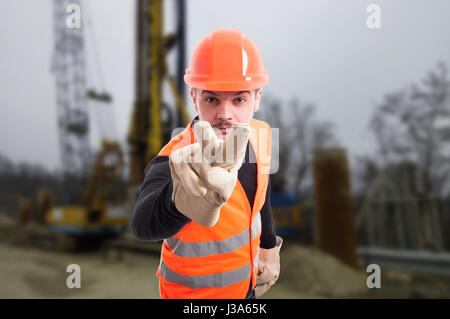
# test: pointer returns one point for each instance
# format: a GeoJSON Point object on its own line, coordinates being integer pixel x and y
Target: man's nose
{"type": "Point", "coordinates": [225, 111]}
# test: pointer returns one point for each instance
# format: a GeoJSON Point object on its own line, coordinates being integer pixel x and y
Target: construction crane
{"type": "Point", "coordinates": [94, 209]}
{"type": "Point", "coordinates": [152, 119]}
{"type": "Point", "coordinates": [68, 67]}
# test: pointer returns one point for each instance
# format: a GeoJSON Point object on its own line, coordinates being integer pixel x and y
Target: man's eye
{"type": "Point", "coordinates": [210, 100]}
{"type": "Point", "coordinates": [240, 100]}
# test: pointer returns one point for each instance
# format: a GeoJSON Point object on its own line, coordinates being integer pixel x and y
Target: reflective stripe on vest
{"type": "Point", "coordinates": [208, 248]}
{"type": "Point", "coordinates": [218, 280]}
{"type": "Point", "coordinates": [255, 261]}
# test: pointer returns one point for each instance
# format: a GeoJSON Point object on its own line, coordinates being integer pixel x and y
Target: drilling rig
{"type": "Point", "coordinates": [152, 119]}
{"type": "Point", "coordinates": [92, 209]}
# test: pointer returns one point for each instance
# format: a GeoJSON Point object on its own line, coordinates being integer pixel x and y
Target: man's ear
{"type": "Point", "coordinates": [194, 100]}
{"type": "Point", "coordinates": [257, 100]}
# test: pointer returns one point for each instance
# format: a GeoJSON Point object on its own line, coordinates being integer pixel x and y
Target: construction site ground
{"type": "Point", "coordinates": [31, 272]}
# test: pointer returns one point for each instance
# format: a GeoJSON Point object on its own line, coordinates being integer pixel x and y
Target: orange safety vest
{"type": "Point", "coordinates": [218, 262]}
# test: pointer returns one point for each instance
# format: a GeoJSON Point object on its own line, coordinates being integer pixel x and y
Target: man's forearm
{"type": "Point", "coordinates": [268, 235]}
{"type": "Point", "coordinates": [155, 216]}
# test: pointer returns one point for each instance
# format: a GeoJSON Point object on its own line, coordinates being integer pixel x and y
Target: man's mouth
{"type": "Point", "coordinates": [224, 130]}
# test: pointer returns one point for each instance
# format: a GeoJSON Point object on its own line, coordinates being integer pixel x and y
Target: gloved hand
{"type": "Point", "coordinates": [268, 268]}
{"type": "Point", "coordinates": [204, 174]}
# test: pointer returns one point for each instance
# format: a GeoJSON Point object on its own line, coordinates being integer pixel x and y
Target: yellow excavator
{"type": "Point", "coordinates": [100, 213]}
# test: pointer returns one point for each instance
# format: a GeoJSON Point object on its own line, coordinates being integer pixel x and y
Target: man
{"type": "Point", "coordinates": [207, 192]}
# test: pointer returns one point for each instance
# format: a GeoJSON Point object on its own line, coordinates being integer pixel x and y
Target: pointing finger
{"type": "Point", "coordinates": [236, 143]}
{"type": "Point", "coordinates": [204, 133]}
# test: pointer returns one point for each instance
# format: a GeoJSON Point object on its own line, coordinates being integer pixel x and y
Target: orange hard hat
{"type": "Point", "coordinates": [226, 60]}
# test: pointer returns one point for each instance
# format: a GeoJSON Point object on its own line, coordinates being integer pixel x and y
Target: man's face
{"type": "Point", "coordinates": [224, 108]}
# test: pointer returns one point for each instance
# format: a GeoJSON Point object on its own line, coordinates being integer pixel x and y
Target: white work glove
{"type": "Point", "coordinates": [268, 268]}
{"type": "Point", "coordinates": [202, 180]}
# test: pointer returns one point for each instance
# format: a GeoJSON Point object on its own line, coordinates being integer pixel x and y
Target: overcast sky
{"type": "Point", "coordinates": [318, 51]}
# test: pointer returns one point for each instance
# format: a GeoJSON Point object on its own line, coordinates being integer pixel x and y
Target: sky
{"type": "Point", "coordinates": [318, 51]}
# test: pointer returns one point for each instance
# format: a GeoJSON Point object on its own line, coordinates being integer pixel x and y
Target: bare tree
{"type": "Point", "coordinates": [300, 134]}
{"type": "Point", "coordinates": [271, 112]}
{"type": "Point", "coordinates": [365, 172]}
{"type": "Point", "coordinates": [413, 124]}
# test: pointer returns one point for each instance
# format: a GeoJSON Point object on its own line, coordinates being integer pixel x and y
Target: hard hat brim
{"type": "Point", "coordinates": [247, 83]}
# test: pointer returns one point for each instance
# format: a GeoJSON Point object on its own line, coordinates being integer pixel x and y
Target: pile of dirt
{"type": "Point", "coordinates": [28, 272]}
{"type": "Point", "coordinates": [309, 271]}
